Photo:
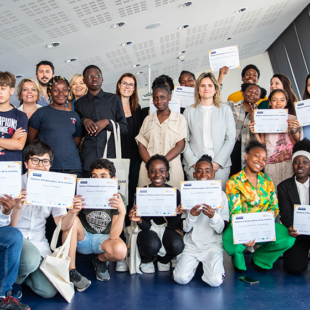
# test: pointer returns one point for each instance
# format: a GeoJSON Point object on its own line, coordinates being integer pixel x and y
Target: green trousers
{"type": "Point", "coordinates": [265, 255]}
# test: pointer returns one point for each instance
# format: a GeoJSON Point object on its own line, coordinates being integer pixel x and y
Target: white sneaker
{"type": "Point", "coordinates": [174, 262]}
{"type": "Point", "coordinates": [147, 268]}
{"type": "Point", "coordinates": [121, 266]}
{"type": "Point", "coordinates": [163, 267]}
{"type": "Point", "coordinates": [249, 249]}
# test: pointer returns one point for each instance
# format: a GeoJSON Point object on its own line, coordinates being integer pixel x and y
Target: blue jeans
{"type": "Point", "coordinates": [11, 241]}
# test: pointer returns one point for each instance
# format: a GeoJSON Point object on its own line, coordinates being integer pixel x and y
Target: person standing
{"type": "Point", "coordinates": [210, 129]}
{"type": "Point", "coordinates": [77, 89]}
{"type": "Point", "coordinates": [44, 72]}
{"type": "Point", "coordinates": [96, 109]}
{"type": "Point", "coordinates": [306, 96]}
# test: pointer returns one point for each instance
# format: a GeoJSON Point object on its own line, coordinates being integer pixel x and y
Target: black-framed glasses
{"type": "Point", "coordinates": [36, 161]}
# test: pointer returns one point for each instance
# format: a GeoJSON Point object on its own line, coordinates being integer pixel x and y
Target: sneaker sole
{"type": "Point", "coordinates": [121, 269]}
{"type": "Point", "coordinates": [85, 288]}
{"type": "Point", "coordinates": [103, 280]}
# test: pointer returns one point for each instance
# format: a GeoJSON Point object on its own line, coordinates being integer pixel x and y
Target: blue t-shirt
{"type": "Point", "coordinates": [306, 131]}
{"type": "Point", "coordinates": [43, 102]}
{"type": "Point", "coordinates": [57, 129]}
{"type": "Point", "coordinates": [9, 122]}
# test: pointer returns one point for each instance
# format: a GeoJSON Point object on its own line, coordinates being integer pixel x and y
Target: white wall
{"type": "Point", "coordinates": [232, 80]}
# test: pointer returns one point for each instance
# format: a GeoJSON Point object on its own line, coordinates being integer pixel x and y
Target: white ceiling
{"type": "Point", "coordinates": [84, 29]}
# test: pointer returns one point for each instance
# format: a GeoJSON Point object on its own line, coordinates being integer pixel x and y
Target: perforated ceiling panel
{"type": "Point", "coordinates": [119, 58]}
{"type": "Point", "coordinates": [11, 33]}
{"type": "Point", "coordinates": [170, 43]}
{"type": "Point", "coordinates": [221, 28]}
{"type": "Point", "coordinates": [163, 2]}
{"type": "Point", "coordinates": [173, 70]}
{"type": "Point", "coordinates": [3, 50]}
{"type": "Point", "coordinates": [191, 65]}
{"type": "Point", "coordinates": [247, 48]}
{"type": "Point", "coordinates": [52, 20]}
{"type": "Point", "coordinates": [89, 8]}
{"type": "Point", "coordinates": [39, 7]}
{"type": "Point", "coordinates": [205, 64]}
{"type": "Point", "coordinates": [247, 21]}
{"type": "Point", "coordinates": [6, 17]}
{"type": "Point", "coordinates": [94, 60]}
{"type": "Point", "coordinates": [144, 51]}
{"type": "Point", "coordinates": [195, 36]}
{"type": "Point", "coordinates": [27, 41]}
{"type": "Point", "coordinates": [132, 9]}
{"type": "Point", "coordinates": [61, 31]}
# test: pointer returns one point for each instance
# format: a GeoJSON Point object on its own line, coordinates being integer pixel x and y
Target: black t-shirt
{"type": "Point", "coordinates": [57, 128]}
{"type": "Point", "coordinates": [9, 122]}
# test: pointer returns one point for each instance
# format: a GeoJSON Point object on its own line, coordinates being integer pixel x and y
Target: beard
{"type": "Point", "coordinates": [42, 83]}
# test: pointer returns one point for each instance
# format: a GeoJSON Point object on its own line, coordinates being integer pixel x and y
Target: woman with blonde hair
{"type": "Point", "coordinates": [29, 93]}
{"type": "Point", "coordinates": [77, 89]}
{"type": "Point", "coordinates": [210, 129]}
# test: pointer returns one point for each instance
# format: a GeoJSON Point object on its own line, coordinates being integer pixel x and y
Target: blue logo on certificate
{"type": "Point", "coordinates": [83, 182]}
{"type": "Point", "coordinates": [188, 184]}
{"type": "Point", "coordinates": [239, 218]}
{"type": "Point", "coordinates": [37, 175]}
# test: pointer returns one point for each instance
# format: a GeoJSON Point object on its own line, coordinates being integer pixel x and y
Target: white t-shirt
{"type": "Point", "coordinates": [303, 191]}
{"type": "Point", "coordinates": [207, 132]}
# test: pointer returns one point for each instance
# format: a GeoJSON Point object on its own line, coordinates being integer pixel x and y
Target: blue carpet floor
{"type": "Point", "coordinates": [276, 290]}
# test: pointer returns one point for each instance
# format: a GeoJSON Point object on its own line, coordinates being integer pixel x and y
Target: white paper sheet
{"type": "Point", "coordinates": [302, 109]}
{"type": "Point", "coordinates": [185, 94]}
{"type": "Point", "coordinates": [226, 56]}
{"type": "Point", "coordinates": [270, 120]}
{"type": "Point", "coordinates": [302, 219]}
{"type": "Point", "coordinates": [10, 178]}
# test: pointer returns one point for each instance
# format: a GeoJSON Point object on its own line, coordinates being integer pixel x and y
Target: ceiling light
{"type": "Point", "coordinates": [18, 76]}
{"type": "Point", "coordinates": [118, 25]}
{"type": "Point", "coordinates": [126, 43]}
{"type": "Point", "coordinates": [144, 85]}
{"type": "Point", "coordinates": [140, 72]}
{"type": "Point", "coordinates": [186, 4]}
{"type": "Point", "coordinates": [241, 10]}
{"type": "Point", "coordinates": [71, 60]}
{"type": "Point", "coordinates": [53, 44]}
{"type": "Point", "coordinates": [184, 27]}
{"type": "Point", "coordinates": [227, 39]}
{"type": "Point", "coordinates": [182, 52]}
{"type": "Point", "coordinates": [137, 65]}
{"type": "Point", "coordinates": [152, 26]}
{"type": "Point", "coordinates": [181, 60]}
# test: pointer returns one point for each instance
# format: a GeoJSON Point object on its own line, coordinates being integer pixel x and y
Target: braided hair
{"type": "Point", "coordinates": [157, 157]}
{"type": "Point", "coordinates": [206, 158]}
{"type": "Point", "coordinates": [52, 81]}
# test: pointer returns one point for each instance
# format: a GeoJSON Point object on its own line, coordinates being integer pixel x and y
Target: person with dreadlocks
{"type": "Point", "coordinates": [59, 127]}
{"type": "Point", "coordinates": [203, 239]}
{"type": "Point", "coordinates": [295, 191]}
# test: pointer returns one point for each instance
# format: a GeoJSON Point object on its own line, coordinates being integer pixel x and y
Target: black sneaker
{"type": "Point", "coordinates": [259, 269]}
{"type": "Point", "coordinates": [17, 291]}
{"type": "Point", "coordinates": [11, 303]}
{"type": "Point", "coordinates": [81, 283]}
{"type": "Point", "coordinates": [102, 272]}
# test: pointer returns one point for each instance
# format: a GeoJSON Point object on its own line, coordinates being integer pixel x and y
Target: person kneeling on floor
{"type": "Point", "coordinates": [203, 239]}
{"type": "Point", "coordinates": [97, 231]}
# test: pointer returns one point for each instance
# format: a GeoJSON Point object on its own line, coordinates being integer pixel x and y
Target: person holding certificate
{"type": "Point", "coordinates": [243, 115]}
{"type": "Point", "coordinates": [210, 129]}
{"type": "Point", "coordinates": [306, 96]}
{"type": "Point", "coordinates": [97, 231]}
{"type": "Point", "coordinates": [203, 239]}
{"type": "Point", "coordinates": [291, 192]}
{"type": "Point", "coordinates": [170, 243]}
{"type": "Point", "coordinates": [251, 191]}
{"type": "Point", "coordinates": [279, 145]}
{"type": "Point", "coordinates": [164, 133]}
{"type": "Point", "coordinates": [31, 221]}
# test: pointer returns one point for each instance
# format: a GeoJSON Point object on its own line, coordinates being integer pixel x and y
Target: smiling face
{"type": "Point", "coordinates": [161, 99]}
{"type": "Point", "coordinates": [29, 93]}
{"type": "Point", "coordinates": [44, 74]}
{"type": "Point", "coordinates": [78, 87]}
{"type": "Point", "coordinates": [93, 79]}
{"type": "Point", "coordinates": [275, 83]}
{"type": "Point", "coordinates": [40, 165]}
{"type": "Point", "coordinates": [158, 173]}
{"type": "Point", "coordinates": [203, 171]}
{"type": "Point", "coordinates": [278, 101]}
{"type": "Point", "coordinates": [59, 92]}
{"type": "Point", "coordinates": [251, 76]}
{"type": "Point", "coordinates": [206, 89]}
{"type": "Point", "coordinates": [301, 167]}
{"type": "Point", "coordinates": [252, 94]}
{"type": "Point", "coordinates": [256, 159]}
{"type": "Point", "coordinates": [308, 86]}
{"type": "Point", "coordinates": [126, 86]}
{"type": "Point", "coordinates": [187, 80]}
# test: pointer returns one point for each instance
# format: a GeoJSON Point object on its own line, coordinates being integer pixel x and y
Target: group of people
{"type": "Point", "coordinates": [62, 126]}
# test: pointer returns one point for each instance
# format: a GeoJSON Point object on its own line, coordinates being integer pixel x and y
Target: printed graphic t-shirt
{"type": "Point", "coordinates": [9, 122]}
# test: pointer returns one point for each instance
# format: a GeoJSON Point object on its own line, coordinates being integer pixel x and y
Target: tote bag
{"type": "Point", "coordinates": [56, 266]}
{"type": "Point", "coordinates": [121, 164]}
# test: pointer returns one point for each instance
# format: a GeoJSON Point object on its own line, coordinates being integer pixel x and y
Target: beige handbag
{"type": "Point", "coordinates": [56, 266]}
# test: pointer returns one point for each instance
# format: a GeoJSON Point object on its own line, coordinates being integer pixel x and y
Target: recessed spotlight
{"type": "Point", "coordinates": [137, 65]}
{"type": "Point", "coordinates": [152, 26]}
{"type": "Point", "coordinates": [140, 72]}
{"type": "Point", "coordinates": [182, 52]}
{"type": "Point", "coordinates": [145, 85]}
{"type": "Point", "coordinates": [241, 10]}
{"type": "Point", "coordinates": [227, 39]}
{"type": "Point", "coordinates": [118, 25]}
{"type": "Point", "coordinates": [184, 27]}
{"type": "Point", "coordinates": [126, 43]}
{"type": "Point", "coordinates": [53, 44]}
{"type": "Point", "coordinates": [71, 60]}
{"type": "Point", "coordinates": [181, 60]}
{"type": "Point", "coordinates": [186, 4]}
{"type": "Point", "coordinates": [18, 76]}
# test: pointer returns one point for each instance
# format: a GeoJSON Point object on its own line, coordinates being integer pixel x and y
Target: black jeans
{"type": "Point", "coordinates": [149, 244]}
{"type": "Point", "coordinates": [295, 260]}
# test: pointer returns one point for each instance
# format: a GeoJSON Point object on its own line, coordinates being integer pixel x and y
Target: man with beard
{"type": "Point", "coordinates": [44, 72]}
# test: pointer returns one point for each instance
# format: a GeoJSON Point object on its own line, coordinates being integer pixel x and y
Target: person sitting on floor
{"type": "Point", "coordinates": [295, 191]}
{"type": "Point", "coordinates": [251, 191]}
{"type": "Point", "coordinates": [31, 221]}
{"type": "Point", "coordinates": [148, 242]}
{"type": "Point", "coordinates": [97, 231]}
{"type": "Point", "coordinates": [203, 239]}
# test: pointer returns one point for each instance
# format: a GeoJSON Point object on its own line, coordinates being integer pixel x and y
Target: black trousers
{"type": "Point", "coordinates": [295, 260]}
{"type": "Point", "coordinates": [149, 244]}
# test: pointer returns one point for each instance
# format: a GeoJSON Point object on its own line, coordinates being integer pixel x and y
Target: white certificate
{"type": "Point", "coordinates": [10, 178]}
{"type": "Point", "coordinates": [97, 192]}
{"type": "Point", "coordinates": [270, 120]}
{"type": "Point", "coordinates": [50, 189]}
{"type": "Point", "coordinates": [302, 219]}
{"type": "Point", "coordinates": [198, 192]}
{"type": "Point", "coordinates": [259, 226]}
{"type": "Point", "coordinates": [185, 94]}
{"type": "Point", "coordinates": [302, 109]}
{"type": "Point", "coordinates": [156, 201]}
{"type": "Point", "coordinates": [226, 56]}
{"type": "Point", "coordinates": [174, 105]}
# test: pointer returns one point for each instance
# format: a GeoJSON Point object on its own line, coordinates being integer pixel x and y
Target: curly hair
{"type": "Point", "coordinates": [263, 91]}
{"type": "Point", "coordinates": [103, 163]}
{"type": "Point", "coordinates": [246, 68]}
{"type": "Point", "coordinates": [163, 79]}
{"type": "Point", "coordinates": [186, 72]}
{"type": "Point", "coordinates": [251, 144]}
{"type": "Point", "coordinates": [302, 145]}
{"type": "Point", "coordinates": [157, 157]}
{"type": "Point", "coordinates": [206, 158]}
